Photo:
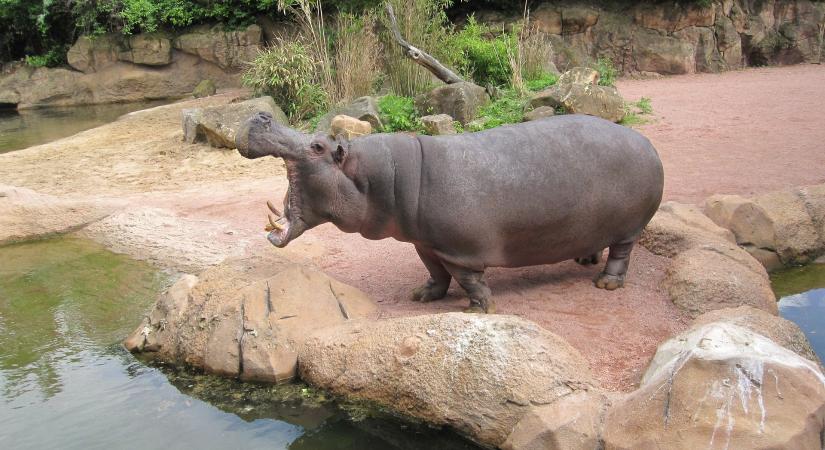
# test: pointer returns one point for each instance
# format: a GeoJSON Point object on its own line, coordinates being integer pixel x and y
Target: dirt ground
{"type": "Point", "coordinates": [189, 206]}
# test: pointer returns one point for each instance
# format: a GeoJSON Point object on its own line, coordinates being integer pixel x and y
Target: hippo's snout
{"type": "Point", "coordinates": [257, 124]}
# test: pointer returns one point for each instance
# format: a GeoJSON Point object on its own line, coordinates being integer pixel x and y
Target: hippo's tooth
{"type": "Point", "coordinates": [274, 225]}
{"type": "Point", "coordinates": [273, 208]}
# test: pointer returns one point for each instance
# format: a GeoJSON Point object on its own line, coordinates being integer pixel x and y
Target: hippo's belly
{"type": "Point", "coordinates": [524, 196]}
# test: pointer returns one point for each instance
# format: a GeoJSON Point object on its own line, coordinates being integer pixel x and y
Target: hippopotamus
{"type": "Point", "coordinates": [534, 193]}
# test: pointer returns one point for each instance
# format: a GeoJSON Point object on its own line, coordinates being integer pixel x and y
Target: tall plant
{"type": "Point", "coordinates": [424, 24]}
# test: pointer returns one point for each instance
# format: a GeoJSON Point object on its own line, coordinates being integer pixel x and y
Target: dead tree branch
{"type": "Point", "coordinates": [420, 56]}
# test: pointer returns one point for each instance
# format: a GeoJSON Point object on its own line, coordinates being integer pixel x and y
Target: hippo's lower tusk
{"type": "Point", "coordinates": [274, 225]}
{"type": "Point", "coordinates": [273, 208]}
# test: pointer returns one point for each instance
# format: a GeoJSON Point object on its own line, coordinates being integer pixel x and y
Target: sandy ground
{"type": "Point", "coordinates": [190, 206]}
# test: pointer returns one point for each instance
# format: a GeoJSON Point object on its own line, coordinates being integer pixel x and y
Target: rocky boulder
{"type": "Point", "coordinates": [713, 277]}
{"type": "Point", "coordinates": [349, 127]}
{"type": "Point", "coordinates": [91, 54]}
{"type": "Point", "coordinates": [460, 101]}
{"type": "Point", "coordinates": [204, 89]}
{"type": "Point", "coordinates": [148, 50]}
{"type": "Point", "coordinates": [667, 55]}
{"type": "Point", "coordinates": [577, 92]}
{"type": "Point", "coordinates": [217, 125]}
{"type": "Point", "coordinates": [227, 49]}
{"type": "Point", "coordinates": [677, 227]}
{"type": "Point", "coordinates": [722, 386]}
{"type": "Point", "coordinates": [27, 215]}
{"type": "Point", "coordinates": [363, 108]}
{"type": "Point", "coordinates": [779, 330]}
{"type": "Point", "coordinates": [546, 19]}
{"type": "Point", "coordinates": [438, 124]}
{"type": "Point", "coordinates": [578, 19]}
{"type": "Point", "coordinates": [781, 222]}
{"type": "Point", "coordinates": [237, 322]}
{"type": "Point", "coordinates": [670, 17]}
{"type": "Point", "coordinates": [487, 376]}
{"type": "Point", "coordinates": [542, 112]}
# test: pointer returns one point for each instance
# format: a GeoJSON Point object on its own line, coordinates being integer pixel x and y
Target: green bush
{"type": "Point", "coordinates": [544, 81]}
{"type": "Point", "coordinates": [484, 58]}
{"type": "Point", "coordinates": [398, 114]}
{"type": "Point", "coordinates": [287, 72]}
{"type": "Point", "coordinates": [508, 108]}
{"type": "Point", "coordinates": [607, 72]}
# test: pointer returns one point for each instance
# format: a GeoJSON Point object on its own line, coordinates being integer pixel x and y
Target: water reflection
{"type": "Point", "coordinates": [66, 382]}
{"type": "Point", "coordinates": [802, 300]}
{"type": "Point", "coordinates": [37, 126]}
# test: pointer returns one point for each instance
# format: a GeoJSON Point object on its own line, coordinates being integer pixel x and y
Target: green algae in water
{"type": "Point", "coordinates": [801, 293]}
{"type": "Point", "coordinates": [67, 382]}
{"type": "Point", "coordinates": [59, 297]}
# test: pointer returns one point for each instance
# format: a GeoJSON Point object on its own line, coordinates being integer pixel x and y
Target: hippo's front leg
{"type": "Point", "coordinates": [472, 282]}
{"type": "Point", "coordinates": [436, 287]}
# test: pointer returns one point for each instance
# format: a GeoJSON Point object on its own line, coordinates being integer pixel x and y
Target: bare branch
{"type": "Point", "coordinates": [421, 57]}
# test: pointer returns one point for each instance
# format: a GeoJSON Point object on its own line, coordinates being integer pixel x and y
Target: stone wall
{"type": "Point", "coordinates": [115, 68]}
{"type": "Point", "coordinates": [673, 38]}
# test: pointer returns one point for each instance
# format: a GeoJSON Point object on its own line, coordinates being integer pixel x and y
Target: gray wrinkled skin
{"type": "Point", "coordinates": [534, 193]}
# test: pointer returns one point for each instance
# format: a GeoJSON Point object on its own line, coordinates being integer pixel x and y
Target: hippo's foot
{"type": "Point", "coordinates": [431, 290]}
{"type": "Point", "coordinates": [591, 260]}
{"type": "Point", "coordinates": [609, 282]}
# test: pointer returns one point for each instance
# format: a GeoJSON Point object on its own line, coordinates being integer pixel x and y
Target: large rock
{"type": "Point", "coordinates": [654, 52]}
{"type": "Point", "coordinates": [149, 50]}
{"type": "Point", "coordinates": [728, 41]}
{"type": "Point", "coordinates": [706, 53]}
{"type": "Point", "coordinates": [546, 19]}
{"type": "Point", "coordinates": [460, 101]}
{"type": "Point", "coordinates": [117, 82]}
{"type": "Point", "coordinates": [713, 277]}
{"type": "Point", "coordinates": [227, 49]}
{"type": "Point", "coordinates": [363, 108]}
{"type": "Point", "coordinates": [91, 54]}
{"type": "Point", "coordinates": [217, 125]}
{"type": "Point", "coordinates": [27, 215]}
{"type": "Point", "coordinates": [542, 112]}
{"type": "Point", "coordinates": [722, 386]}
{"type": "Point", "coordinates": [234, 322]}
{"type": "Point", "coordinates": [781, 331]}
{"type": "Point", "coordinates": [670, 17]}
{"type": "Point", "coordinates": [481, 375]}
{"type": "Point", "coordinates": [577, 92]}
{"type": "Point", "coordinates": [678, 227]}
{"type": "Point", "coordinates": [438, 124]}
{"type": "Point", "coordinates": [779, 222]}
{"type": "Point", "coordinates": [578, 19]}
{"type": "Point", "coordinates": [204, 89]}
{"type": "Point", "coordinates": [349, 127]}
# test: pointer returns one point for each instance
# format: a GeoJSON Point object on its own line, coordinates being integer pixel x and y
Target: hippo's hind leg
{"type": "Point", "coordinates": [472, 282]}
{"type": "Point", "coordinates": [612, 277]}
{"type": "Point", "coordinates": [590, 260]}
{"type": "Point", "coordinates": [436, 287]}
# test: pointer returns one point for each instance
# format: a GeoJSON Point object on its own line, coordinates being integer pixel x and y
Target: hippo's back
{"type": "Point", "coordinates": [536, 193]}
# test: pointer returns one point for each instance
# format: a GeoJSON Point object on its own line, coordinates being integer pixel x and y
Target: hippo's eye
{"type": "Point", "coordinates": [316, 147]}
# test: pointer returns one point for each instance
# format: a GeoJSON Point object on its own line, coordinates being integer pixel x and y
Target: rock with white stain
{"type": "Point", "coordinates": [720, 386]}
{"type": "Point", "coordinates": [479, 374]}
{"type": "Point", "coordinates": [245, 320]}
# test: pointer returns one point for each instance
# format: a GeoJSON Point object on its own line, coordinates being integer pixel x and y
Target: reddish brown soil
{"type": "Point", "coordinates": [743, 132]}
{"type": "Point", "coordinates": [738, 132]}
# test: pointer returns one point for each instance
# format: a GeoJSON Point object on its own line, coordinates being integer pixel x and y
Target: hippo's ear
{"type": "Point", "coordinates": [341, 150]}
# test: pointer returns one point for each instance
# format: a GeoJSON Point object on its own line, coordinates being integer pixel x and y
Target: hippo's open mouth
{"type": "Point", "coordinates": [283, 229]}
